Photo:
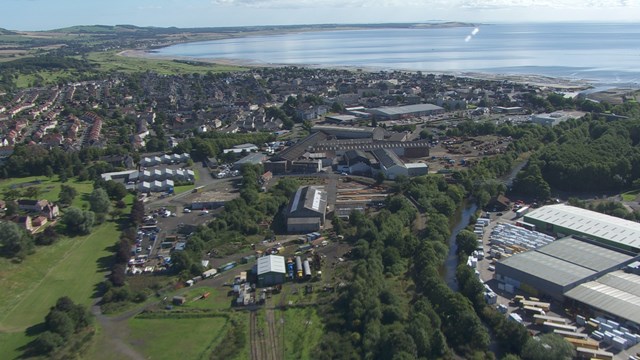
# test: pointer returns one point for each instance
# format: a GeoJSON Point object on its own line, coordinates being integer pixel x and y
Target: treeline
{"type": "Point", "coordinates": [115, 291]}
{"type": "Point", "coordinates": [613, 208]}
{"type": "Point", "coordinates": [34, 160]}
{"type": "Point", "coordinates": [66, 330]}
{"type": "Point", "coordinates": [592, 155]}
{"type": "Point", "coordinates": [45, 62]}
{"type": "Point", "coordinates": [212, 144]}
{"type": "Point", "coordinates": [375, 318]}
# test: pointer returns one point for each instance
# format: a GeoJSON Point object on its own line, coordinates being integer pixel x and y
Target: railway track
{"type": "Point", "coordinates": [257, 351]}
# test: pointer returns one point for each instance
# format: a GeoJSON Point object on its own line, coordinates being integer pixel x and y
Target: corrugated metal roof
{"type": "Point", "coordinates": [387, 158]}
{"type": "Point", "coordinates": [271, 263]}
{"type": "Point", "coordinates": [547, 267]}
{"type": "Point", "coordinates": [408, 109]}
{"type": "Point", "coordinates": [617, 293]}
{"type": "Point", "coordinates": [567, 260]}
{"type": "Point", "coordinates": [589, 222]}
{"type": "Point", "coordinates": [584, 254]}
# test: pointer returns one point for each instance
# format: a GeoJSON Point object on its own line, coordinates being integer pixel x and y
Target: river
{"type": "Point", "coordinates": [461, 220]}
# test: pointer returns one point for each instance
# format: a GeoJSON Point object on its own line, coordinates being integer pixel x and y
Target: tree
{"type": "Point", "coordinates": [46, 343]}
{"type": "Point", "coordinates": [115, 190]}
{"type": "Point", "coordinates": [32, 192]}
{"type": "Point", "coordinates": [467, 242]}
{"type": "Point", "coordinates": [67, 194]}
{"type": "Point", "coordinates": [12, 208]}
{"type": "Point", "coordinates": [48, 236]}
{"type": "Point", "coordinates": [547, 347]}
{"type": "Point", "coordinates": [60, 323]}
{"type": "Point", "coordinates": [99, 201]}
{"type": "Point", "coordinates": [115, 214]}
{"type": "Point", "coordinates": [77, 221]}
{"type": "Point", "coordinates": [11, 194]}
{"type": "Point", "coordinates": [14, 241]}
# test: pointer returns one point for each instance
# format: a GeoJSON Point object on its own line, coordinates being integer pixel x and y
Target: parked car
{"type": "Point", "coordinates": [186, 210]}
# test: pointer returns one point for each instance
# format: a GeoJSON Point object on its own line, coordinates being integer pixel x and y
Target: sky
{"type": "Point", "coordinates": [52, 14]}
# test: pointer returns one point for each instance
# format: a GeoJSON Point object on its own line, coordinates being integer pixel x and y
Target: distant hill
{"type": "Point", "coordinates": [131, 29]}
{"type": "Point", "coordinates": [7, 32]}
{"type": "Point", "coordinates": [96, 29]}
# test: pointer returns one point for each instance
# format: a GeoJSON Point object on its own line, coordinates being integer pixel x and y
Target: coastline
{"type": "Point", "coordinates": [568, 85]}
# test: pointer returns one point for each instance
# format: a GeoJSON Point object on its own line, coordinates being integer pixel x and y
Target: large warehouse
{"type": "Point", "coordinates": [400, 112]}
{"type": "Point", "coordinates": [270, 270]}
{"type": "Point", "coordinates": [307, 209]}
{"type": "Point", "coordinates": [562, 265]}
{"type": "Point", "coordinates": [615, 294]}
{"type": "Point", "coordinates": [570, 220]}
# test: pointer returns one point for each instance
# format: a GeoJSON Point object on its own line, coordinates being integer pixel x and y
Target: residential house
{"type": "Point", "coordinates": [38, 221]}
{"type": "Point", "coordinates": [32, 205]}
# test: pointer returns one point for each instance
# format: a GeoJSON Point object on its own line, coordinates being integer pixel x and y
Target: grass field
{"type": "Point", "coordinates": [50, 188]}
{"type": "Point", "coordinates": [71, 267]}
{"type": "Point", "coordinates": [111, 61]}
{"type": "Point", "coordinates": [176, 338]}
{"type": "Point", "coordinates": [217, 299]}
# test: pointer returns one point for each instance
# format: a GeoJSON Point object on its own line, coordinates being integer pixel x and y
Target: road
{"type": "Point", "coordinates": [115, 327]}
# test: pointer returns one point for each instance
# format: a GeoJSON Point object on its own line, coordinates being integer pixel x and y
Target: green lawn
{"type": "Point", "coordinates": [111, 61]}
{"type": "Point", "coordinates": [50, 188]}
{"type": "Point", "coordinates": [176, 338]}
{"type": "Point", "coordinates": [72, 267]}
{"type": "Point", "coordinates": [11, 342]}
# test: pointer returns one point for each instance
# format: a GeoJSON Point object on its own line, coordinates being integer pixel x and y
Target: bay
{"type": "Point", "coordinates": [603, 54]}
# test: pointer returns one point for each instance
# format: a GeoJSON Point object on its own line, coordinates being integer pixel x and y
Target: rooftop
{"type": "Point", "coordinates": [408, 109]}
{"type": "Point", "coordinates": [566, 260]}
{"type": "Point", "coordinates": [215, 196]}
{"type": "Point", "coordinates": [310, 197]}
{"type": "Point", "coordinates": [592, 223]}
{"type": "Point", "coordinates": [617, 293]}
{"type": "Point", "coordinates": [271, 263]}
{"type": "Point", "coordinates": [387, 158]}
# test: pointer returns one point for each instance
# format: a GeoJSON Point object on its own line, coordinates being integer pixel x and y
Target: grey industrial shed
{"type": "Point", "coordinates": [556, 268]}
{"type": "Point", "coordinates": [616, 293]}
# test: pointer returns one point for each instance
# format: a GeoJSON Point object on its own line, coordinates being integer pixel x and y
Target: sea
{"type": "Point", "coordinates": [602, 54]}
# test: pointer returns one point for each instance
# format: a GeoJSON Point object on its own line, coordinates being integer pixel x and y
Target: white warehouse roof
{"type": "Point", "coordinates": [271, 263]}
{"type": "Point", "coordinates": [617, 293]}
{"type": "Point", "coordinates": [589, 222]}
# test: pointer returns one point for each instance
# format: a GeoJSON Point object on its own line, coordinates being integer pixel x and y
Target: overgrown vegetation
{"type": "Point", "coordinates": [64, 321]}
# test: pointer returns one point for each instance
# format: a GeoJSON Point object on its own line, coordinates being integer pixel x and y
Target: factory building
{"type": "Point", "coordinates": [307, 209]}
{"type": "Point", "coordinates": [616, 295]}
{"type": "Point", "coordinates": [251, 159]}
{"type": "Point", "coordinates": [390, 163]}
{"type": "Point", "coordinates": [559, 266]}
{"type": "Point", "coordinates": [569, 220]}
{"type": "Point", "coordinates": [401, 112]}
{"type": "Point", "coordinates": [271, 270]}
{"type": "Point", "coordinates": [351, 132]}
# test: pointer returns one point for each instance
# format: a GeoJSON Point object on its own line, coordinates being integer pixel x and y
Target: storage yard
{"type": "Point", "coordinates": [577, 287]}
